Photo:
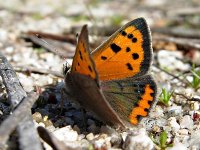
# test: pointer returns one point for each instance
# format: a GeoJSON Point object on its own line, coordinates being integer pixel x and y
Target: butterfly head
{"type": "Point", "coordinates": [66, 67]}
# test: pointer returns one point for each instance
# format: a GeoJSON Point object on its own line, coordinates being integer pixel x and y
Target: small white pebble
{"type": "Point", "coordinates": [124, 135]}
{"type": "Point", "coordinates": [174, 110]}
{"type": "Point", "coordinates": [66, 134]}
{"type": "Point", "coordinates": [183, 131]}
{"type": "Point", "coordinates": [172, 122]}
{"type": "Point", "coordinates": [9, 49]}
{"type": "Point", "coordinates": [167, 128]}
{"type": "Point", "coordinates": [90, 136]}
{"type": "Point", "coordinates": [194, 139]}
{"type": "Point", "coordinates": [139, 141]}
{"type": "Point", "coordinates": [3, 35]}
{"type": "Point", "coordinates": [41, 124]}
{"type": "Point", "coordinates": [102, 142]}
{"type": "Point", "coordinates": [186, 122]}
{"type": "Point", "coordinates": [51, 128]}
{"type": "Point", "coordinates": [177, 146]}
{"type": "Point", "coordinates": [157, 112]}
{"type": "Point", "coordinates": [81, 137]}
{"type": "Point", "coordinates": [196, 106]}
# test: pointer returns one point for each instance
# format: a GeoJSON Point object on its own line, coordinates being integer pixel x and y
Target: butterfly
{"type": "Point", "coordinates": [113, 80]}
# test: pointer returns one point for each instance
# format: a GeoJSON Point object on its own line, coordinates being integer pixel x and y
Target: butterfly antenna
{"type": "Point", "coordinates": [66, 65]}
{"type": "Point", "coordinates": [51, 47]}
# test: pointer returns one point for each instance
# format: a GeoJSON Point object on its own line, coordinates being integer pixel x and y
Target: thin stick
{"type": "Point", "coordinates": [28, 137]}
{"type": "Point", "coordinates": [10, 123]}
{"type": "Point", "coordinates": [176, 77]}
{"type": "Point", "coordinates": [53, 141]}
{"type": "Point", "coordinates": [189, 99]}
{"type": "Point", "coordinates": [13, 87]}
{"type": "Point", "coordinates": [178, 32]}
{"type": "Point", "coordinates": [191, 43]}
{"type": "Point", "coordinates": [37, 70]}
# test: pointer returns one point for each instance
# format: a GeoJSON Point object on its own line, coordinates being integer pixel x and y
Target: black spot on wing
{"type": "Point", "coordinates": [152, 94]}
{"type": "Point", "coordinates": [80, 55]}
{"type": "Point", "coordinates": [150, 102]}
{"type": "Point", "coordinates": [128, 49]}
{"type": "Point", "coordinates": [139, 118]}
{"type": "Point", "coordinates": [115, 48]}
{"type": "Point", "coordinates": [134, 40]}
{"type": "Point", "coordinates": [123, 33]}
{"type": "Point", "coordinates": [103, 57]}
{"type": "Point", "coordinates": [130, 36]}
{"type": "Point", "coordinates": [84, 47]}
{"type": "Point", "coordinates": [129, 66]}
{"type": "Point", "coordinates": [135, 56]}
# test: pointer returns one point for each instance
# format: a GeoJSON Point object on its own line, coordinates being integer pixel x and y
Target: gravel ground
{"type": "Point", "coordinates": [179, 117]}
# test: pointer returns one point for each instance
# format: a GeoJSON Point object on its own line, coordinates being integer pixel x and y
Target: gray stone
{"type": "Point", "coordinates": [173, 111]}
{"type": "Point", "coordinates": [140, 141]}
{"type": "Point", "coordinates": [93, 128]}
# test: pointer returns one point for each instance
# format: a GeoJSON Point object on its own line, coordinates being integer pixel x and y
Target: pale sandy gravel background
{"type": "Point", "coordinates": [59, 16]}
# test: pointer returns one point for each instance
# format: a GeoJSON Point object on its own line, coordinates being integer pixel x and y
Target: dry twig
{"type": "Point", "coordinates": [9, 124]}
{"type": "Point", "coordinates": [37, 70]}
{"type": "Point", "coordinates": [175, 77]}
{"type": "Point", "coordinates": [187, 98]}
{"type": "Point", "coordinates": [178, 32]}
{"type": "Point", "coordinates": [28, 137]}
{"type": "Point", "coordinates": [190, 43]}
{"type": "Point", "coordinates": [55, 44]}
{"type": "Point", "coordinates": [54, 142]}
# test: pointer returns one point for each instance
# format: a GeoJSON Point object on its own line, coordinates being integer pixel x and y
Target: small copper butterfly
{"type": "Point", "coordinates": [113, 80]}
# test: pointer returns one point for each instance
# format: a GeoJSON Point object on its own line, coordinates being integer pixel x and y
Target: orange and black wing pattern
{"type": "Point", "coordinates": [82, 61]}
{"type": "Point", "coordinates": [131, 98]}
{"type": "Point", "coordinates": [127, 53]}
{"type": "Point", "coordinates": [121, 65]}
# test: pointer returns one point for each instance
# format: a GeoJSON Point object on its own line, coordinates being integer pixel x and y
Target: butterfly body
{"type": "Point", "coordinates": [113, 80]}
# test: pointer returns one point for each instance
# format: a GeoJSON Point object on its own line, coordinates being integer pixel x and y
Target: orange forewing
{"type": "Point", "coordinates": [82, 62]}
{"type": "Point", "coordinates": [122, 55]}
